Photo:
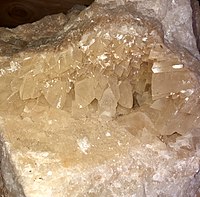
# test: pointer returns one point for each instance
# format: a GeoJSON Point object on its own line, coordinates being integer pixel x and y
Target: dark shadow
{"type": "Point", "coordinates": [17, 12]}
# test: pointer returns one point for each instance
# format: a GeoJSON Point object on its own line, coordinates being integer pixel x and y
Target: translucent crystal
{"type": "Point", "coordinates": [84, 92]}
{"type": "Point", "coordinates": [108, 104]}
{"type": "Point", "coordinates": [123, 70]}
{"type": "Point", "coordinates": [104, 98]}
{"type": "Point", "coordinates": [55, 93]}
{"type": "Point", "coordinates": [126, 94]}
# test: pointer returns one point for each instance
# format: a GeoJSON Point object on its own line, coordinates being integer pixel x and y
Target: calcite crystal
{"type": "Point", "coordinates": [98, 103]}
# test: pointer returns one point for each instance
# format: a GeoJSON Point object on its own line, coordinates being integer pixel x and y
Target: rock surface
{"type": "Point", "coordinates": [174, 15]}
{"type": "Point", "coordinates": [196, 20]}
{"type": "Point", "coordinates": [101, 102]}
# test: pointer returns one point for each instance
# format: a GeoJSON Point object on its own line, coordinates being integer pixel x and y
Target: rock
{"type": "Point", "coordinates": [105, 103]}
{"type": "Point", "coordinates": [175, 16]}
{"type": "Point", "coordinates": [196, 20]}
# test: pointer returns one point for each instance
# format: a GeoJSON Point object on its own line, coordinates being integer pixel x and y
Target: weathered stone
{"type": "Point", "coordinates": [101, 104]}
{"type": "Point", "coordinates": [196, 20]}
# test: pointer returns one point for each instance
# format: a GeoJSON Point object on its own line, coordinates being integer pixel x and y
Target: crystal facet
{"type": "Point", "coordinates": [100, 104]}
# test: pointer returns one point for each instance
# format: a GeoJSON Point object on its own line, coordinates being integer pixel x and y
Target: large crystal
{"type": "Point", "coordinates": [102, 103]}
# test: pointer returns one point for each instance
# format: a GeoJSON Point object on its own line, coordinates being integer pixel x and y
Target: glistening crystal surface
{"type": "Point", "coordinates": [101, 103]}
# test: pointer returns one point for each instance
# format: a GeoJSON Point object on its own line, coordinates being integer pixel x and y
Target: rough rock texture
{"type": "Point", "coordinates": [196, 20]}
{"type": "Point", "coordinates": [174, 15]}
{"type": "Point", "coordinates": [101, 103]}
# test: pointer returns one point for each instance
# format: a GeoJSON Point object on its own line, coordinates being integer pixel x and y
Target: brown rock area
{"type": "Point", "coordinates": [18, 12]}
{"type": "Point", "coordinates": [98, 103]}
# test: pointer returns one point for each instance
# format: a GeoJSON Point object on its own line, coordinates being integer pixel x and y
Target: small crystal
{"type": "Point", "coordinates": [107, 104]}
{"type": "Point", "coordinates": [84, 92]}
{"type": "Point", "coordinates": [126, 94]}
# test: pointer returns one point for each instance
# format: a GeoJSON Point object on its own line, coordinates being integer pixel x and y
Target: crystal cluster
{"type": "Point", "coordinates": [111, 71]}
{"type": "Point", "coordinates": [103, 69]}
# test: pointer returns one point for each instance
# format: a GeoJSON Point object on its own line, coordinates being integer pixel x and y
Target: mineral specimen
{"type": "Point", "coordinates": [102, 103]}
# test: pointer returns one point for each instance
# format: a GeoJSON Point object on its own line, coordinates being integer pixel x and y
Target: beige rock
{"type": "Point", "coordinates": [101, 105]}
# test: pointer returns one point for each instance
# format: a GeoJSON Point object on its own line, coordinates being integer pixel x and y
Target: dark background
{"type": "Point", "coordinates": [16, 12]}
